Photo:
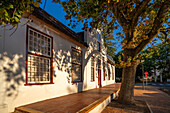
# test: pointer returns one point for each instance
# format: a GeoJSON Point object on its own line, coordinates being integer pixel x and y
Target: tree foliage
{"type": "Point", "coordinates": [11, 11]}
{"type": "Point", "coordinates": [109, 42]}
{"type": "Point", "coordinates": [141, 21]}
{"type": "Point", "coordinates": [157, 57]}
{"type": "Point", "coordinates": [118, 58]}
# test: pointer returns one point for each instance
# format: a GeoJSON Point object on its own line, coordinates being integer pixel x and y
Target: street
{"type": "Point", "coordinates": [161, 85]}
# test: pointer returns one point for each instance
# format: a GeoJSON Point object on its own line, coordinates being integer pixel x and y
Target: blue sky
{"type": "Point", "coordinates": [56, 10]}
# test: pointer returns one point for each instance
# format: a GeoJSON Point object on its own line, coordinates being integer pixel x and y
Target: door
{"type": "Point", "coordinates": [99, 77]}
{"type": "Point", "coordinates": [99, 72]}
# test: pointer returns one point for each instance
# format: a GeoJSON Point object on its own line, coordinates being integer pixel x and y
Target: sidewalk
{"type": "Point", "coordinates": [158, 101]}
{"type": "Point", "coordinates": [70, 103]}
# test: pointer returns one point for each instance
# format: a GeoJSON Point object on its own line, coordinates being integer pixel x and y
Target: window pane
{"type": "Point", "coordinates": [76, 56]}
{"type": "Point", "coordinates": [76, 64]}
{"type": "Point", "coordinates": [38, 43]}
{"type": "Point", "coordinates": [108, 72]}
{"type": "Point", "coordinates": [99, 64]}
{"type": "Point", "coordinates": [92, 68]}
{"type": "Point", "coordinates": [76, 71]}
{"type": "Point", "coordinates": [38, 69]}
{"type": "Point", "coordinates": [104, 74]}
{"type": "Point", "coordinates": [92, 74]}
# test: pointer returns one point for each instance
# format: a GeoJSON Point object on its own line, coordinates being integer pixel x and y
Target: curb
{"type": "Point", "coordinates": [100, 104]}
{"type": "Point", "coordinates": [148, 107]}
{"type": "Point", "coordinates": [26, 110]}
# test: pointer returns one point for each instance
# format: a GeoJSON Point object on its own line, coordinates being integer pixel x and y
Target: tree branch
{"type": "Point", "coordinates": [133, 22]}
{"type": "Point", "coordinates": [14, 12]}
{"type": "Point", "coordinates": [138, 11]}
{"type": "Point", "coordinates": [159, 20]}
{"type": "Point", "coordinates": [135, 17]}
{"type": "Point", "coordinates": [119, 16]}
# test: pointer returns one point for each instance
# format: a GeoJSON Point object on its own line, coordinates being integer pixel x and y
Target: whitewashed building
{"type": "Point", "coordinates": [44, 59]}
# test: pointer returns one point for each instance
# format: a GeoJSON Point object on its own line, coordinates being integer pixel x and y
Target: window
{"type": "Point", "coordinates": [104, 73]}
{"type": "Point", "coordinates": [108, 72]}
{"type": "Point", "coordinates": [92, 69]}
{"type": "Point", "coordinates": [76, 65]}
{"type": "Point", "coordinates": [39, 57]}
{"type": "Point", "coordinates": [98, 41]}
{"type": "Point", "coordinates": [99, 64]}
{"type": "Point", "coordinates": [112, 72]}
{"type": "Point", "coordinates": [98, 46]}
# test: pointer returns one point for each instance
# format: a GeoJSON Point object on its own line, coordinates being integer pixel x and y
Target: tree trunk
{"type": "Point", "coordinates": [126, 95]}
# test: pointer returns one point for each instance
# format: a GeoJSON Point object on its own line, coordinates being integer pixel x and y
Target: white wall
{"type": "Point", "coordinates": [12, 66]}
{"type": "Point", "coordinates": [92, 51]}
{"type": "Point", "coordinates": [14, 93]}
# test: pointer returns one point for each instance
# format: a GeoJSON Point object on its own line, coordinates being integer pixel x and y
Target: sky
{"type": "Point", "coordinates": [57, 11]}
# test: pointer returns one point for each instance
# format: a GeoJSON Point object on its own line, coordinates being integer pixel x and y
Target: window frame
{"type": "Point", "coordinates": [113, 77]}
{"type": "Point", "coordinates": [35, 54]}
{"type": "Point", "coordinates": [92, 68]}
{"type": "Point", "coordinates": [81, 80]}
{"type": "Point", "coordinates": [109, 72]}
{"type": "Point", "coordinates": [104, 70]}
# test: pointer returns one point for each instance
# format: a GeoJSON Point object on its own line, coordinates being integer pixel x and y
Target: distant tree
{"type": "Point", "coordinates": [109, 42]}
{"type": "Point", "coordinates": [118, 58]}
{"type": "Point", "coordinates": [157, 57]}
{"type": "Point", "coordinates": [141, 21]}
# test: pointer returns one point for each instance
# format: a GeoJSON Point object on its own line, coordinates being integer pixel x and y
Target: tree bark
{"type": "Point", "coordinates": [128, 75]}
{"type": "Point", "coordinates": [126, 95]}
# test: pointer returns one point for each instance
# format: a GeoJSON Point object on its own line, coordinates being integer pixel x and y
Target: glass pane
{"type": "Point", "coordinates": [109, 73]}
{"type": "Point", "coordinates": [38, 43]}
{"type": "Point", "coordinates": [99, 64]}
{"type": "Point", "coordinates": [31, 32]}
{"type": "Point", "coordinates": [92, 61]}
{"type": "Point", "coordinates": [76, 56]}
{"type": "Point", "coordinates": [92, 74]}
{"type": "Point", "coordinates": [38, 69]}
{"type": "Point", "coordinates": [76, 71]}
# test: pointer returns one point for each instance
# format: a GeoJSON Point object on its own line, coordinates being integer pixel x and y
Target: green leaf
{"type": "Point", "coordinates": [11, 6]}
{"type": "Point", "coordinates": [17, 19]}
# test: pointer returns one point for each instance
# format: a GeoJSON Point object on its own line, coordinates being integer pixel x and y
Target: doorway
{"type": "Point", "coordinates": [99, 72]}
{"type": "Point", "coordinates": [99, 78]}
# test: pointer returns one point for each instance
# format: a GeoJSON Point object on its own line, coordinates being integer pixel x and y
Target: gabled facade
{"type": "Point", "coordinates": [44, 59]}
